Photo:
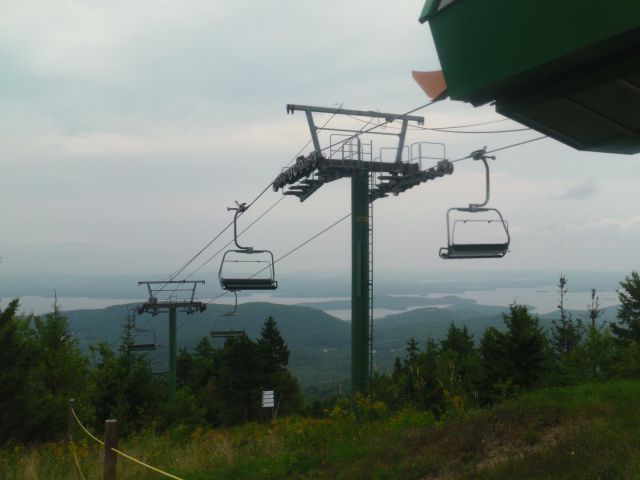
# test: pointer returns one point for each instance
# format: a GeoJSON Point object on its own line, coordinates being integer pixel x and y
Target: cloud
{"type": "Point", "coordinates": [608, 225]}
{"type": "Point", "coordinates": [585, 190]}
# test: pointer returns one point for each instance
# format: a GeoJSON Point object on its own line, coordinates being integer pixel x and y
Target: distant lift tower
{"type": "Point", "coordinates": [180, 294]}
{"type": "Point", "coordinates": [371, 178]}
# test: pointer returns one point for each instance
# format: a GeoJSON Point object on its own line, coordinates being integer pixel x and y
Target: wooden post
{"type": "Point", "coordinates": [71, 421]}
{"type": "Point", "coordinates": [110, 441]}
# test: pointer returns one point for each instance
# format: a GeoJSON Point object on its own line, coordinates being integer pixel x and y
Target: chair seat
{"type": "Point", "coordinates": [143, 347]}
{"type": "Point", "coordinates": [227, 333]}
{"type": "Point", "coordinates": [479, 247]}
{"type": "Point", "coordinates": [248, 284]}
{"type": "Point", "coordinates": [477, 250]}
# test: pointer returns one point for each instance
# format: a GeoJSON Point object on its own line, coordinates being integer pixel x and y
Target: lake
{"type": "Point", "coordinates": [544, 299]}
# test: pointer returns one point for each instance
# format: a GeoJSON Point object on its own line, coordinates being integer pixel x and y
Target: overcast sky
{"type": "Point", "coordinates": [128, 127]}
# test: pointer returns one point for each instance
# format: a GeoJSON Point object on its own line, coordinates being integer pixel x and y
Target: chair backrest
{"type": "Point", "coordinates": [464, 249]}
{"type": "Point", "coordinates": [247, 270]}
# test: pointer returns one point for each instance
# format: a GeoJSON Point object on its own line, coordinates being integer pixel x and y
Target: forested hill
{"type": "Point", "coordinates": [319, 343]}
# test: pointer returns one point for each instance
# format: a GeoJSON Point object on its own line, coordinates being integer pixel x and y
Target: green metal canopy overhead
{"type": "Point", "coordinates": [570, 68]}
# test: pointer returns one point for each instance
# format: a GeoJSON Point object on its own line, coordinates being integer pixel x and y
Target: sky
{"type": "Point", "coordinates": [128, 128]}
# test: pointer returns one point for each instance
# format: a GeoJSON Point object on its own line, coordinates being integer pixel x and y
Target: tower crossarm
{"type": "Point", "coordinates": [397, 184]}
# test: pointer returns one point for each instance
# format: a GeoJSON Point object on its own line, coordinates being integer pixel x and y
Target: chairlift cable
{"type": "Point", "coordinates": [454, 127]}
{"type": "Point", "coordinates": [355, 135]}
{"type": "Point", "coordinates": [349, 214]}
{"type": "Point", "coordinates": [322, 232]}
{"type": "Point", "coordinates": [181, 269]}
{"type": "Point", "coordinates": [477, 124]}
{"type": "Point", "coordinates": [378, 125]}
{"type": "Point", "coordinates": [517, 144]}
{"type": "Point", "coordinates": [269, 185]}
{"type": "Point", "coordinates": [501, 148]}
{"type": "Point", "coordinates": [231, 241]}
{"type": "Point", "coordinates": [445, 130]}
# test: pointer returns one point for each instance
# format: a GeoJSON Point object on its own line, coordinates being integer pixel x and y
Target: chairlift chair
{"type": "Point", "coordinates": [234, 278]}
{"type": "Point", "coordinates": [227, 333]}
{"type": "Point", "coordinates": [457, 249]}
{"type": "Point", "coordinates": [143, 340]}
{"type": "Point", "coordinates": [226, 327]}
{"type": "Point", "coordinates": [236, 281]}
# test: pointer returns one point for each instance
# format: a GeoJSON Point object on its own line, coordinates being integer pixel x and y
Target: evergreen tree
{"type": "Point", "coordinates": [459, 363]}
{"type": "Point", "coordinates": [397, 368]}
{"type": "Point", "coordinates": [519, 356]}
{"type": "Point", "coordinates": [238, 389]}
{"type": "Point", "coordinates": [123, 384]}
{"type": "Point", "coordinates": [60, 373]}
{"type": "Point", "coordinates": [17, 357]}
{"type": "Point", "coordinates": [594, 312]}
{"type": "Point", "coordinates": [412, 382]}
{"type": "Point", "coordinates": [274, 351]}
{"type": "Point", "coordinates": [427, 388]}
{"type": "Point", "coordinates": [495, 367]}
{"type": "Point", "coordinates": [42, 368]}
{"type": "Point", "coordinates": [275, 358]}
{"type": "Point", "coordinates": [627, 329]}
{"type": "Point", "coordinates": [458, 340]}
{"type": "Point", "coordinates": [566, 332]}
{"type": "Point", "coordinates": [597, 355]}
{"type": "Point", "coordinates": [411, 356]}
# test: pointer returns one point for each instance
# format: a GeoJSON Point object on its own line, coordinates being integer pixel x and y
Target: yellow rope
{"type": "Point", "coordinates": [128, 457]}
{"type": "Point", "coordinates": [85, 430]}
{"type": "Point", "coordinates": [73, 450]}
{"type": "Point", "coordinates": [157, 470]}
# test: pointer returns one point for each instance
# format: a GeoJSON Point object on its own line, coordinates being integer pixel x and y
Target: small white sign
{"type": "Point", "coordinates": [268, 399]}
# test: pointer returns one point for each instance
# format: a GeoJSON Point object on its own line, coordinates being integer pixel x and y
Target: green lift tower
{"type": "Point", "coordinates": [174, 290]}
{"type": "Point", "coordinates": [371, 178]}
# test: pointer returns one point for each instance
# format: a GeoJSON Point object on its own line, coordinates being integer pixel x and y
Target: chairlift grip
{"type": "Point", "coordinates": [475, 206]}
{"type": "Point", "coordinates": [241, 208]}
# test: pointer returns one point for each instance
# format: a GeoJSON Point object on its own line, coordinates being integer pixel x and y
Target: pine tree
{"type": "Point", "coordinates": [458, 340]}
{"type": "Point", "coordinates": [460, 366]}
{"type": "Point", "coordinates": [61, 372]}
{"type": "Point", "coordinates": [427, 387]}
{"type": "Point", "coordinates": [275, 358]}
{"type": "Point", "coordinates": [594, 311]}
{"type": "Point", "coordinates": [274, 351]}
{"type": "Point", "coordinates": [566, 332]}
{"type": "Point", "coordinates": [519, 356]}
{"type": "Point", "coordinates": [239, 385]}
{"type": "Point", "coordinates": [627, 330]}
{"type": "Point", "coordinates": [123, 384]}
{"type": "Point", "coordinates": [17, 356]}
{"type": "Point", "coordinates": [397, 368]}
{"type": "Point", "coordinates": [411, 356]}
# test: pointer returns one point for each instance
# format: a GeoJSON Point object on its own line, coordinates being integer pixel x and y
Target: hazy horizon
{"type": "Point", "coordinates": [538, 289]}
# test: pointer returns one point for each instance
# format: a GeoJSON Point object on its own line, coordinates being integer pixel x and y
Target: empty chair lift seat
{"type": "Point", "coordinates": [479, 250]}
{"type": "Point", "coordinates": [232, 284]}
{"type": "Point", "coordinates": [143, 347]}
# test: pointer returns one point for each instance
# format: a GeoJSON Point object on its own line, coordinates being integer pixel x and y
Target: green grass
{"type": "Point", "coordinates": [583, 432]}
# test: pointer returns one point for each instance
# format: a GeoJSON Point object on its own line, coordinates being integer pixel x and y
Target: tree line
{"type": "Point", "coordinates": [455, 374]}
{"type": "Point", "coordinates": [42, 367]}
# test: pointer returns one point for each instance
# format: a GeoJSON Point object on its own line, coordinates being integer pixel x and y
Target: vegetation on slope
{"type": "Point", "coordinates": [425, 418]}
{"type": "Point", "coordinates": [582, 432]}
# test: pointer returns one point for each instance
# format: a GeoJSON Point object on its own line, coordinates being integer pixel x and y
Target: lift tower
{"type": "Point", "coordinates": [350, 157]}
{"type": "Point", "coordinates": [176, 299]}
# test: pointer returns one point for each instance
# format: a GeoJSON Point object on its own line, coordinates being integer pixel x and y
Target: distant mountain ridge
{"type": "Point", "coordinates": [319, 343]}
